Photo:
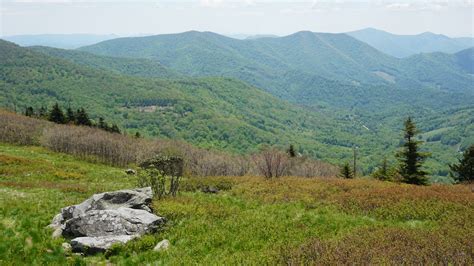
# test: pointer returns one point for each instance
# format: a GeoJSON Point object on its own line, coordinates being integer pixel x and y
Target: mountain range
{"type": "Point", "coordinates": [407, 45]}
{"type": "Point", "coordinates": [323, 92]}
{"type": "Point", "coordinates": [65, 41]}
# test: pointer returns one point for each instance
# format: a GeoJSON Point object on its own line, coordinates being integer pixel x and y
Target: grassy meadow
{"type": "Point", "coordinates": [251, 221]}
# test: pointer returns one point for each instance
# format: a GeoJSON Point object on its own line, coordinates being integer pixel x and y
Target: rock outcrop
{"type": "Point", "coordinates": [107, 218]}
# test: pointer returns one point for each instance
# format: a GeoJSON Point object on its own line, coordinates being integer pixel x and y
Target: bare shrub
{"type": "Point", "coordinates": [18, 129]}
{"type": "Point", "coordinates": [307, 167]}
{"type": "Point", "coordinates": [90, 143]}
{"type": "Point", "coordinates": [197, 161]}
{"type": "Point", "coordinates": [271, 162]}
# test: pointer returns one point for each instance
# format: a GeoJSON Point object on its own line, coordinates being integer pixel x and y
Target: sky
{"type": "Point", "coordinates": [279, 17]}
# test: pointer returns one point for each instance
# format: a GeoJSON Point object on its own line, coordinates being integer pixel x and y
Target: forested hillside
{"type": "Point", "coordinates": [213, 112]}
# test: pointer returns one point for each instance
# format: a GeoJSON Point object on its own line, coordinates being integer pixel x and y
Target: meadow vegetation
{"type": "Point", "coordinates": [253, 220]}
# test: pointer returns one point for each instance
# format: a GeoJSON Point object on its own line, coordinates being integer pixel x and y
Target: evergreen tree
{"type": "Point", "coordinates": [384, 172]}
{"type": "Point", "coordinates": [70, 116]}
{"type": "Point", "coordinates": [56, 115]}
{"type": "Point", "coordinates": [82, 118]}
{"type": "Point", "coordinates": [29, 111]}
{"type": "Point", "coordinates": [291, 151]}
{"type": "Point", "coordinates": [43, 112]}
{"type": "Point", "coordinates": [102, 124]}
{"type": "Point", "coordinates": [137, 135]}
{"type": "Point", "coordinates": [411, 159]}
{"type": "Point", "coordinates": [464, 170]}
{"type": "Point", "coordinates": [346, 171]}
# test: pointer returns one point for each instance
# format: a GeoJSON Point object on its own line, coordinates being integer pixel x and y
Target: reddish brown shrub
{"type": "Point", "coordinates": [387, 246]}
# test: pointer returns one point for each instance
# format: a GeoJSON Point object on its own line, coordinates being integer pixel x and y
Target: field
{"type": "Point", "coordinates": [251, 221]}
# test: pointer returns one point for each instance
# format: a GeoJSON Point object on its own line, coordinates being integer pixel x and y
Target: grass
{"type": "Point", "coordinates": [251, 221]}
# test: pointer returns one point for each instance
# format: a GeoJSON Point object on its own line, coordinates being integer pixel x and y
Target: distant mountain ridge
{"type": "Point", "coordinates": [407, 45]}
{"type": "Point", "coordinates": [64, 41]}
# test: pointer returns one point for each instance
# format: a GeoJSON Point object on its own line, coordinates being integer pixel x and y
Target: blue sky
{"type": "Point", "coordinates": [280, 17]}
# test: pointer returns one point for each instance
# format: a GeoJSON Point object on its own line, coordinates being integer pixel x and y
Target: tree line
{"type": "Point", "coordinates": [410, 169]}
{"type": "Point", "coordinates": [79, 117]}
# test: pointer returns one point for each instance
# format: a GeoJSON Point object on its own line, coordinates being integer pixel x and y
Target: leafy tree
{"type": "Point", "coordinates": [411, 159]}
{"type": "Point", "coordinates": [137, 135]}
{"type": "Point", "coordinates": [56, 115]}
{"type": "Point", "coordinates": [346, 171]}
{"type": "Point", "coordinates": [115, 129]}
{"type": "Point", "coordinates": [291, 151]}
{"type": "Point", "coordinates": [464, 170]}
{"type": "Point", "coordinates": [82, 118]}
{"type": "Point", "coordinates": [29, 111]}
{"type": "Point", "coordinates": [70, 116]}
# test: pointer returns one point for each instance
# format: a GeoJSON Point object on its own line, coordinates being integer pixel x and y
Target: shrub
{"type": "Point", "coordinates": [307, 167]}
{"type": "Point", "coordinates": [90, 143]}
{"type": "Point", "coordinates": [20, 129]}
{"type": "Point", "coordinates": [271, 162]}
{"type": "Point", "coordinates": [161, 184]}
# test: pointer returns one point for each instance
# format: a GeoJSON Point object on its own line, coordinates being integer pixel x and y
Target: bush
{"type": "Point", "coordinates": [18, 129]}
{"type": "Point", "coordinates": [90, 143]}
{"type": "Point", "coordinates": [161, 184]}
{"type": "Point", "coordinates": [271, 162]}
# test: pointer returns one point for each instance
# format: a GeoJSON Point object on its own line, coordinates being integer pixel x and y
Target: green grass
{"type": "Point", "coordinates": [253, 221]}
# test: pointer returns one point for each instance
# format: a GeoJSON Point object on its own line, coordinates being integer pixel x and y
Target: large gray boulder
{"type": "Point", "coordinates": [131, 198]}
{"type": "Point", "coordinates": [107, 218]}
{"type": "Point", "coordinates": [122, 221]}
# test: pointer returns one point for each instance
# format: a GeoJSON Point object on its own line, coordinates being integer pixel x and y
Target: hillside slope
{"type": "Point", "coordinates": [250, 221]}
{"type": "Point", "coordinates": [127, 66]}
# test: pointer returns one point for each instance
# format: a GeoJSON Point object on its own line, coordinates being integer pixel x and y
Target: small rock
{"type": "Point", "coordinates": [92, 245]}
{"type": "Point", "coordinates": [162, 245]}
{"type": "Point", "coordinates": [57, 233]}
{"type": "Point", "coordinates": [210, 190]}
{"type": "Point", "coordinates": [130, 172]}
{"type": "Point", "coordinates": [66, 247]}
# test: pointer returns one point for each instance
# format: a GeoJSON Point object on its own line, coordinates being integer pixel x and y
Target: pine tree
{"type": "Point", "coordinates": [43, 112]}
{"type": "Point", "coordinates": [137, 135]}
{"type": "Point", "coordinates": [384, 172]}
{"type": "Point", "coordinates": [464, 170]}
{"type": "Point", "coordinates": [411, 159]}
{"type": "Point", "coordinates": [102, 124]}
{"type": "Point", "coordinates": [291, 151]}
{"type": "Point", "coordinates": [56, 115]}
{"type": "Point", "coordinates": [70, 116]}
{"type": "Point", "coordinates": [346, 171]}
{"type": "Point", "coordinates": [29, 111]}
{"type": "Point", "coordinates": [82, 118]}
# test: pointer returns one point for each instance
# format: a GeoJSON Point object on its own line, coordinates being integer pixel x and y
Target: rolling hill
{"type": "Point", "coordinates": [407, 45]}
